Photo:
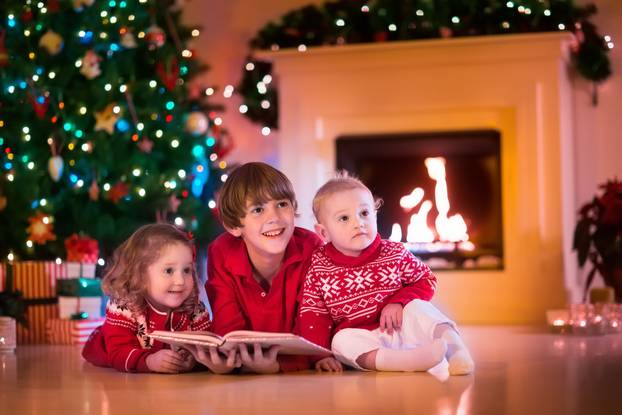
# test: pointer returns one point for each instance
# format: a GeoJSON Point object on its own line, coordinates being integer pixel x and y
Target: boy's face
{"type": "Point", "coordinates": [348, 220]}
{"type": "Point", "coordinates": [266, 228]}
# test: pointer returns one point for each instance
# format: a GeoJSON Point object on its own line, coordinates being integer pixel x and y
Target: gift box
{"type": "Point", "coordinates": [37, 282]}
{"type": "Point", "coordinates": [89, 307]}
{"type": "Point", "coordinates": [79, 287]}
{"type": "Point", "coordinates": [80, 270]}
{"type": "Point", "coordinates": [63, 331]}
{"type": "Point", "coordinates": [82, 249]}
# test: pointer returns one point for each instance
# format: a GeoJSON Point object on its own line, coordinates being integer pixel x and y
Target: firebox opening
{"type": "Point", "coordinates": [443, 187]}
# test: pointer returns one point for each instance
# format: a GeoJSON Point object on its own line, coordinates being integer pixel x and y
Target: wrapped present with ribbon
{"type": "Point", "coordinates": [79, 287]}
{"type": "Point", "coordinates": [77, 308]}
{"type": "Point", "coordinates": [80, 270]}
{"type": "Point", "coordinates": [37, 282]}
{"type": "Point", "coordinates": [63, 331]}
{"type": "Point", "coordinates": [82, 256]}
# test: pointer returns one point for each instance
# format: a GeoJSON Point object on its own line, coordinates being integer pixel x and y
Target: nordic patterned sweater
{"type": "Point", "coordinates": [121, 342]}
{"type": "Point", "coordinates": [341, 291]}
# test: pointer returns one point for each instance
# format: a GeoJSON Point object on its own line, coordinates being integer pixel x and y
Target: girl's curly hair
{"type": "Point", "coordinates": [125, 279]}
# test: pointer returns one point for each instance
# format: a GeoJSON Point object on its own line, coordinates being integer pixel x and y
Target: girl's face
{"type": "Point", "coordinates": [170, 277]}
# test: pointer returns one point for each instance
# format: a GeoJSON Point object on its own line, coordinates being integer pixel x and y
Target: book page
{"type": "Point", "coordinates": [179, 338]}
{"type": "Point", "coordinates": [289, 343]}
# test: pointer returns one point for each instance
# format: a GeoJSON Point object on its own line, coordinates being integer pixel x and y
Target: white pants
{"type": "Point", "coordinates": [420, 318]}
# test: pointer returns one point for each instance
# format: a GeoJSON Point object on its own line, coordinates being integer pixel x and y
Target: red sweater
{"type": "Point", "coordinates": [237, 300]}
{"type": "Point", "coordinates": [121, 342]}
{"type": "Point", "coordinates": [341, 291]}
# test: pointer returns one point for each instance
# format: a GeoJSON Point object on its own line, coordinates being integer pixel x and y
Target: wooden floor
{"type": "Point", "coordinates": [519, 371]}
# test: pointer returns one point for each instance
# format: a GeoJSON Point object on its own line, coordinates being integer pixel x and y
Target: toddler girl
{"type": "Point", "coordinates": [152, 285]}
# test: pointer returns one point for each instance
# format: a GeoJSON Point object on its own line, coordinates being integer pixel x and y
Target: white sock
{"type": "Point", "coordinates": [418, 359]}
{"type": "Point", "coordinates": [458, 356]}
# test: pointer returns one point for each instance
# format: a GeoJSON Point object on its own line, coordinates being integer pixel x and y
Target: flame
{"type": "Point", "coordinates": [448, 228]}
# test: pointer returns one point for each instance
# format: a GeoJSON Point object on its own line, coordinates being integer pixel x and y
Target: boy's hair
{"type": "Point", "coordinates": [341, 181]}
{"type": "Point", "coordinates": [255, 182]}
{"type": "Point", "coordinates": [125, 279]}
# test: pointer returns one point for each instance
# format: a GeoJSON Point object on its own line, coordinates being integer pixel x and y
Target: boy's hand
{"type": "Point", "coordinates": [189, 360]}
{"type": "Point", "coordinates": [329, 364]}
{"type": "Point", "coordinates": [214, 361]}
{"type": "Point", "coordinates": [166, 361]}
{"type": "Point", "coordinates": [391, 317]}
{"type": "Point", "coordinates": [258, 361]}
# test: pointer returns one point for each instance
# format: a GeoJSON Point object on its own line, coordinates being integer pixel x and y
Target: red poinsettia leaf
{"type": "Point", "coordinates": [582, 240]}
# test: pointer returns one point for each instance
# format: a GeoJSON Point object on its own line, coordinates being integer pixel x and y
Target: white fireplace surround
{"type": "Point", "coordinates": [516, 84]}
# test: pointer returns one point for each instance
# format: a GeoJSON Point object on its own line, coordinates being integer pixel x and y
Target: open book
{"type": "Point", "coordinates": [290, 343]}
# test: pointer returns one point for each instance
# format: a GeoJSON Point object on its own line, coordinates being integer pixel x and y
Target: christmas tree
{"type": "Point", "coordinates": [101, 130]}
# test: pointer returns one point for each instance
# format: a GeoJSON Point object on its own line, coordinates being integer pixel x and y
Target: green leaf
{"type": "Point", "coordinates": [588, 282]}
{"type": "Point", "coordinates": [582, 240]}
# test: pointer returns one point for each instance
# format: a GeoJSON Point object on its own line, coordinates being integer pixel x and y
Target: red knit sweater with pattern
{"type": "Point", "coordinates": [341, 291]}
{"type": "Point", "coordinates": [121, 342]}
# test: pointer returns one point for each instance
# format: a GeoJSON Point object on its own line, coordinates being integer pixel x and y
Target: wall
{"type": "Point", "coordinates": [229, 25]}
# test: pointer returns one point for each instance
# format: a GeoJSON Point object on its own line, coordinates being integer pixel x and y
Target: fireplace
{"type": "Point", "coordinates": [451, 223]}
{"type": "Point", "coordinates": [509, 97]}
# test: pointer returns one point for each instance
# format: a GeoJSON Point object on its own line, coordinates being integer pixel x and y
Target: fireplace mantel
{"type": "Point", "coordinates": [516, 84]}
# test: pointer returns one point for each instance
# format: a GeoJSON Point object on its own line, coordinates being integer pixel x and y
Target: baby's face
{"type": "Point", "coordinates": [348, 220]}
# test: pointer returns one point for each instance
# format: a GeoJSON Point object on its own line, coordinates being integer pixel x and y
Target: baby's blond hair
{"type": "Point", "coordinates": [341, 181]}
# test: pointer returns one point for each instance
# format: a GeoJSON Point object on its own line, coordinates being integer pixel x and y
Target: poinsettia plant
{"type": "Point", "coordinates": [598, 237]}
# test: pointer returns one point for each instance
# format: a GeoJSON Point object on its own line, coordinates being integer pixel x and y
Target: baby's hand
{"type": "Point", "coordinates": [329, 364]}
{"type": "Point", "coordinates": [215, 361]}
{"type": "Point", "coordinates": [166, 361]}
{"type": "Point", "coordinates": [391, 317]}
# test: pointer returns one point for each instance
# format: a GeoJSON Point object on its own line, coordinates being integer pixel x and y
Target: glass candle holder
{"type": "Point", "coordinates": [558, 321]}
{"type": "Point", "coordinates": [613, 317]}
{"type": "Point", "coordinates": [597, 323]}
{"type": "Point", "coordinates": [581, 316]}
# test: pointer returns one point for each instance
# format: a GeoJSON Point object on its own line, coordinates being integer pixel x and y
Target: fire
{"type": "Point", "coordinates": [447, 228]}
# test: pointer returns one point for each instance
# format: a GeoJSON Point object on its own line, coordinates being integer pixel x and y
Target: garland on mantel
{"type": "Point", "coordinates": [355, 21]}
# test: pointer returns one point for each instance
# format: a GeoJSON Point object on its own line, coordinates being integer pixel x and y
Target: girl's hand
{"type": "Point", "coordinates": [391, 317]}
{"type": "Point", "coordinates": [260, 362]}
{"type": "Point", "coordinates": [329, 364]}
{"type": "Point", "coordinates": [166, 361]}
{"type": "Point", "coordinates": [215, 361]}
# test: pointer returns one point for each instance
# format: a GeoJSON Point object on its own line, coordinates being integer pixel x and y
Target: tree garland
{"type": "Point", "coordinates": [353, 21]}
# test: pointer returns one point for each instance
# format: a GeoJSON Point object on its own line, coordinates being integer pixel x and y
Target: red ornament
{"type": "Point", "coordinates": [118, 191]}
{"type": "Point", "coordinates": [4, 56]}
{"type": "Point", "coordinates": [445, 32]}
{"type": "Point", "coordinates": [41, 108]}
{"type": "Point", "coordinates": [155, 36]}
{"type": "Point", "coordinates": [53, 6]}
{"type": "Point", "coordinates": [168, 74]}
{"type": "Point", "coordinates": [27, 16]}
{"type": "Point", "coordinates": [223, 146]}
{"type": "Point", "coordinates": [381, 36]}
{"type": "Point", "coordinates": [145, 145]}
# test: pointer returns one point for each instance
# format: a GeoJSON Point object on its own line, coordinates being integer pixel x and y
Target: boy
{"type": "Point", "coordinates": [372, 294]}
{"type": "Point", "coordinates": [256, 268]}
